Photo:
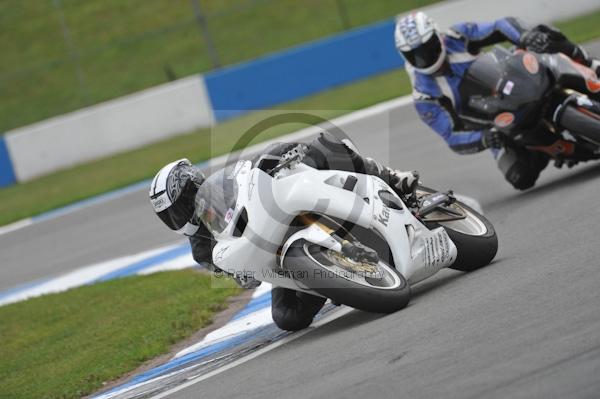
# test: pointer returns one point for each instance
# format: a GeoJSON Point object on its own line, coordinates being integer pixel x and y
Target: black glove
{"type": "Point", "coordinates": [535, 41]}
{"type": "Point", "coordinates": [492, 139]}
{"type": "Point", "coordinates": [548, 39]}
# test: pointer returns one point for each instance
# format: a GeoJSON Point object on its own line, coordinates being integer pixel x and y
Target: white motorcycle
{"type": "Point", "coordinates": [341, 235]}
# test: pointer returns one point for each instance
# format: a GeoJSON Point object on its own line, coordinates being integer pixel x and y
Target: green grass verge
{"type": "Point", "coordinates": [66, 345]}
{"type": "Point", "coordinates": [64, 187]}
{"type": "Point", "coordinates": [582, 29]}
{"type": "Point", "coordinates": [118, 47]}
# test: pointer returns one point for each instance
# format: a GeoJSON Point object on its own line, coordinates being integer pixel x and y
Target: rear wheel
{"type": "Point", "coordinates": [474, 236]}
{"type": "Point", "coordinates": [373, 288]}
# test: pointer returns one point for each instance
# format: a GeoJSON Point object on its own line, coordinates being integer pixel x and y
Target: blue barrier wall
{"type": "Point", "coordinates": [303, 70]}
{"type": "Point", "coordinates": [7, 174]}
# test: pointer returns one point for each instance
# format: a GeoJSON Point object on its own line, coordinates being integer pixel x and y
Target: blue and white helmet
{"type": "Point", "coordinates": [419, 42]}
{"type": "Point", "coordinates": [173, 194]}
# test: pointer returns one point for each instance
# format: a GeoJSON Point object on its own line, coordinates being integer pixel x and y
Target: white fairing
{"type": "Point", "coordinates": [272, 203]}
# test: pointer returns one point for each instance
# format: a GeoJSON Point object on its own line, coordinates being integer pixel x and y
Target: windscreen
{"type": "Point", "coordinates": [484, 75]}
{"type": "Point", "coordinates": [216, 199]}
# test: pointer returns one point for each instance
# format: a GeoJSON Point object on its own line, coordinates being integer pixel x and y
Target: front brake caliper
{"type": "Point", "coordinates": [358, 252]}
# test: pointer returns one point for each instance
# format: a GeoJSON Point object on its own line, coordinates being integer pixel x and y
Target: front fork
{"type": "Point", "coordinates": [323, 235]}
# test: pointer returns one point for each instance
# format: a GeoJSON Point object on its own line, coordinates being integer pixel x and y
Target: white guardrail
{"type": "Point", "coordinates": [157, 113]}
{"type": "Point", "coordinates": [111, 127]}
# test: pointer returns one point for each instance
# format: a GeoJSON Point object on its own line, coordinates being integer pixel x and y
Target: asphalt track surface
{"type": "Point", "coordinates": [525, 326]}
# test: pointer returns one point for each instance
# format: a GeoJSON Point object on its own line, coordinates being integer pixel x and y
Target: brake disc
{"type": "Point", "coordinates": [363, 268]}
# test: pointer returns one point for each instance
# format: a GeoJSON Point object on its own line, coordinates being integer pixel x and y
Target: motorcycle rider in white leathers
{"type": "Point", "coordinates": [173, 190]}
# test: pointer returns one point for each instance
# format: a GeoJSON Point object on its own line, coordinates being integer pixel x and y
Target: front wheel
{"type": "Point", "coordinates": [373, 288]}
{"type": "Point", "coordinates": [474, 236]}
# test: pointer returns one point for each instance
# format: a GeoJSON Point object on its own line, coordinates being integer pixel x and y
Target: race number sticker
{"type": "Point", "coordinates": [508, 87]}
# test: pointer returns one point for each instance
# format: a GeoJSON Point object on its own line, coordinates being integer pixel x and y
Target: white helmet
{"type": "Point", "coordinates": [419, 42]}
{"type": "Point", "coordinates": [173, 193]}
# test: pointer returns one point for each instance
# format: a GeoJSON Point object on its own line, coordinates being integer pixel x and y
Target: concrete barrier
{"type": "Point", "coordinates": [115, 126]}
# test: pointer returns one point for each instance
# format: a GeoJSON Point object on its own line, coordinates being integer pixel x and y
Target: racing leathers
{"type": "Point", "coordinates": [439, 104]}
{"type": "Point", "coordinates": [294, 310]}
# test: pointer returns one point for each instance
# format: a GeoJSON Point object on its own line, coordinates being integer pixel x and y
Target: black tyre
{"type": "Point", "coordinates": [474, 236]}
{"type": "Point", "coordinates": [319, 269]}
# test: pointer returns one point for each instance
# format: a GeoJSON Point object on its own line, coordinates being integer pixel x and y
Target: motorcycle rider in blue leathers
{"type": "Point", "coordinates": [436, 64]}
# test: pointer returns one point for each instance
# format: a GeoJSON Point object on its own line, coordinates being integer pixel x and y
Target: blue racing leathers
{"type": "Point", "coordinates": [437, 98]}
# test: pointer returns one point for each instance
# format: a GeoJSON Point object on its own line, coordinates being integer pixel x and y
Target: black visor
{"type": "Point", "coordinates": [182, 210]}
{"type": "Point", "coordinates": [426, 54]}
